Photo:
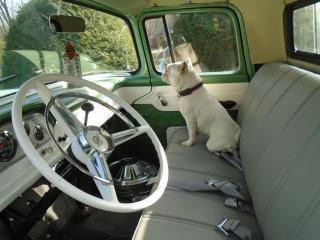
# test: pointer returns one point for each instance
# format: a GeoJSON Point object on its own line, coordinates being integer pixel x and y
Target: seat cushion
{"type": "Point", "coordinates": [196, 158]}
{"type": "Point", "coordinates": [185, 215]}
{"type": "Point", "coordinates": [192, 214]}
{"type": "Point", "coordinates": [189, 167]}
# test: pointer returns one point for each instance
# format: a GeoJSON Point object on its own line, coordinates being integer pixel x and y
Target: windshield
{"type": "Point", "coordinates": [28, 47]}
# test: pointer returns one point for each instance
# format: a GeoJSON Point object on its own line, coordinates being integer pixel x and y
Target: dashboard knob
{"type": "Point", "coordinates": [46, 150]}
{"type": "Point", "coordinates": [26, 127]}
{"type": "Point", "coordinates": [38, 133]}
{"type": "Point", "coordinates": [8, 146]}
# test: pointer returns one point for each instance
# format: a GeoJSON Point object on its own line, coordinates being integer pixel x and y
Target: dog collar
{"type": "Point", "coordinates": [189, 91]}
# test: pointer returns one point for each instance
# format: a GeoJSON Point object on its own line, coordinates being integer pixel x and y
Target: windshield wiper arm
{"type": "Point", "coordinates": [7, 77]}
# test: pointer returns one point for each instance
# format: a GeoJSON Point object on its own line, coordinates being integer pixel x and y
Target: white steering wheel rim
{"type": "Point", "coordinates": [66, 187]}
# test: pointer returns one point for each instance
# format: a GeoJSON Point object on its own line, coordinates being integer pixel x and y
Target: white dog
{"type": "Point", "coordinates": [201, 110]}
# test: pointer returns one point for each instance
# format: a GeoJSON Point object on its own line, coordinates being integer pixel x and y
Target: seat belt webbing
{"type": "Point", "coordinates": [230, 189]}
{"type": "Point", "coordinates": [238, 204]}
{"type": "Point", "coordinates": [233, 159]}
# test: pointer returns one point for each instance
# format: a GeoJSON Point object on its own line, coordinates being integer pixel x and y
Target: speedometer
{"type": "Point", "coordinates": [8, 146]}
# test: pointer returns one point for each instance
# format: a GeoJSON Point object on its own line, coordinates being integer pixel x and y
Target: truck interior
{"type": "Point", "coordinates": [90, 134]}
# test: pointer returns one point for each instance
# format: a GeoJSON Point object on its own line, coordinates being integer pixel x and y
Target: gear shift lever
{"type": "Point", "coordinates": [87, 107]}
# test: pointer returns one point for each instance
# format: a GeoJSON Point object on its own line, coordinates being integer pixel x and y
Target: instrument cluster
{"type": "Point", "coordinates": [35, 127]}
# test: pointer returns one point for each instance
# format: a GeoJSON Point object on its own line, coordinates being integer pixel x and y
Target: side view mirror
{"type": "Point", "coordinates": [60, 23]}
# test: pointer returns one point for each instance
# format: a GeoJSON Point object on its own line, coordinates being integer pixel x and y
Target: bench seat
{"type": "Point", "coordinates": [279, 145]}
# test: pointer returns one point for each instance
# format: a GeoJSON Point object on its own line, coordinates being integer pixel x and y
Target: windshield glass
{"type": "Point", "coordinates": [28, 47]}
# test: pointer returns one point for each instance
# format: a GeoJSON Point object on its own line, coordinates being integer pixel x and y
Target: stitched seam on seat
{"type": "Point", "coordinates": [254, 85]}
{"type": "Point", "coordinates": [268, 114]}
{"type": "Point", "coordinates": [287, 172]}
{"type": "Point", "coordinates": [304, 220]}
{"type": "Point", "coordinates": [269, 148]}
{"type": "Point", "coordinates": [254, 91]}
{"type": "Point", "coordinates": [185, 193]}
{"type": "Point", "coordinates": [181, 220]}
{"type": "Point", "coordinates": [246, 126]}
{"type": "Point", "coordinates": [210, 174]}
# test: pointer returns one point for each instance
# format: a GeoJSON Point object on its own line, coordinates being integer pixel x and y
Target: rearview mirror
{"type": "Point", "coordinates": [60, 23]}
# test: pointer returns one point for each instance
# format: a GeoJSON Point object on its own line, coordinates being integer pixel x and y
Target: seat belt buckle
{"type": "Point", "coordinates": [231, 202]}
{"type": "Point", "coordinates": [230, 227]}
{"type": "Point", "coordinates": [220, 227]}
{"type": "Point", "coordinates": [211, 182]}
{"type": "Point", "coordinates": [235, 203]}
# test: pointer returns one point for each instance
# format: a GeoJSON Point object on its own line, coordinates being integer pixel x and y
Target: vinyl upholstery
{"type": "Point", "coordinates": [280, 138]}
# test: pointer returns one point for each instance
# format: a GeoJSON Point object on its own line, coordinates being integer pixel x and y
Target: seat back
{"type": "Point", "coordinates": [279, 148]}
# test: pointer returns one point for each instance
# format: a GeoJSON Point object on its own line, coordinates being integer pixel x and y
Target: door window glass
{"type": "Point", "coordinates": [208, 40]}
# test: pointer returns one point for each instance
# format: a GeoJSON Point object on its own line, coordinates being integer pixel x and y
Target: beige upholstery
{"type": "Point", "coordinates": [279, 151]}
{"type": "Point", "coordinates": [184, 215]}
{"type": "Point", "coordinates": [280, 122]}
{"type": "Point", "coordinates": [191, 166]}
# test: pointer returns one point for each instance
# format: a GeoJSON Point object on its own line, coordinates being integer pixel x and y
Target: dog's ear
{"type": "Point", "coordinates": [184, 67]}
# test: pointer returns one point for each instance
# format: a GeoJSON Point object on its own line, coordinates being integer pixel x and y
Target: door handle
{"type": "Point", "coordinates": [163, 101]}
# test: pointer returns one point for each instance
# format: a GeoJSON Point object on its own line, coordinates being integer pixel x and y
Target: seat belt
{"type": "Point", "coordinates": [235, 203]}
{"type": "Point", "coordinates": [232, 158]}
{"type": "Point", "coordinates": [230, 189]}
{"type": "Point", "coordinates": [231, 227]}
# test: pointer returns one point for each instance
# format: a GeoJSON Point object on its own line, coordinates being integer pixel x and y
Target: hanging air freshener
{"type": "Point", "coordinates": [71, 61]}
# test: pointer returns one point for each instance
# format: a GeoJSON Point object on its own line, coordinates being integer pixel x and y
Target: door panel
{"type": "Point", "coordinates": [164, 98]}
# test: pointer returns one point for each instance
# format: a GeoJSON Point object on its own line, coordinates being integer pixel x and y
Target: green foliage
{"type": "Point", "coordinates": [106, 46]}
{"type": "Point", "coordinates": [212, 37]}
{"type": "Point", "coordinates": [30, 31]}
{"type": "Point", "coordinates": [107, 40]}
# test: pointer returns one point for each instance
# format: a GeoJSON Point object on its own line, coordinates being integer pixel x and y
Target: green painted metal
{"type": "Point", "coordinates": [210, 79]}
{"type": "Point", "coordinates": [245, 68]}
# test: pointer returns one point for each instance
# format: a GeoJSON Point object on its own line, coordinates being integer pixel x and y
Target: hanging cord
{"type": "Point", "coordinates": [150, 82]}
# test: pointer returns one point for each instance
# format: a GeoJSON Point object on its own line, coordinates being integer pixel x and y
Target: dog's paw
{"type": "Point", "coordinates": [187, 143]}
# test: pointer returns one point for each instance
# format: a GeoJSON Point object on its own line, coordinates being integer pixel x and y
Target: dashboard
{"type": "Point", "coordinates": [16, 171]}
{"type": "Point", "coordinates": [34, 125]}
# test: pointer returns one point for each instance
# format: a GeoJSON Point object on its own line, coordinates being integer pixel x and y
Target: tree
{"type": "Point", "coordinates": [5, 16]}
{"type": "Point", "coordinates": [212, 36]}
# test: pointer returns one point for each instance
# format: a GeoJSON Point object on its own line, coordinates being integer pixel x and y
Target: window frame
{"type": "Point", "coordinates": [288, 30]}
{"type": "Point", "coordinates": [213, 9]}
{"type": "Point", "coordinates": [115, 14]}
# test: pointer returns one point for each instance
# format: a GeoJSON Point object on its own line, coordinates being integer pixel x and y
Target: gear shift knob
{"type": "Point", "coordinates": [87, 107]}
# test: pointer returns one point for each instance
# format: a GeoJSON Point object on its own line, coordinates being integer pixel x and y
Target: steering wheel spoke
{"type": "Point", "coordinates": [68, 117]}
{"type": "Point", "coordinates": [126, 135]}
{"type": "Point", "coordinates": [59, 110]}
{"type": "Point", "coordinates": [98, 166]}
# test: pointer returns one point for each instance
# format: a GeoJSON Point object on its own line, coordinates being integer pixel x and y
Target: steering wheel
{"type": "Point", "coordinates": [91, 145]}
